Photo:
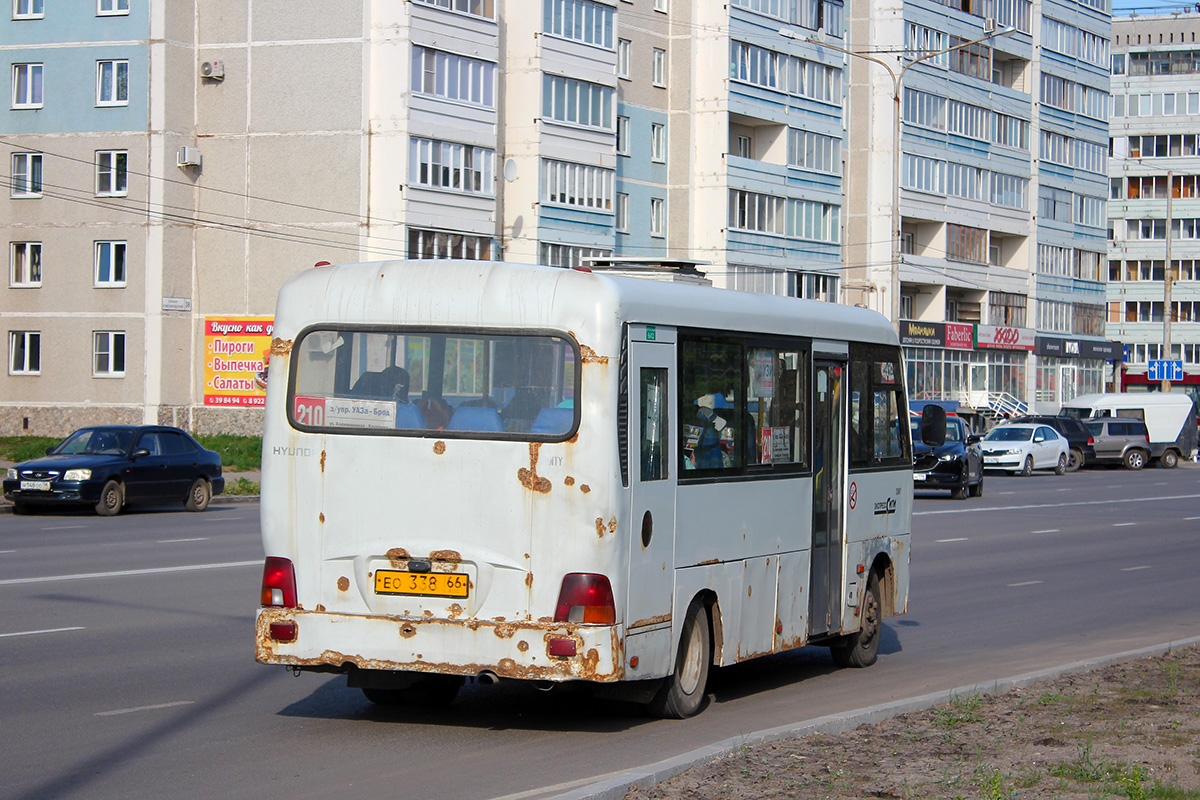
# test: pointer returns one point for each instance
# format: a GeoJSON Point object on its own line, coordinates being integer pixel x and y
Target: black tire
{"type": "Point", "coordinates": [1027, 467]}
{"type": "Point", "coordinates": [960, 493]}
{"type": "Point", "coordinates": [1061, 467]}
{"type": "Point", "coordinates": [198, 495]}
{"type": "Point", "coordinates": [1134, 459]}
{"type": "Point", "coordinates": [977, 489]}
{"type": "Point", "coordinates": [683, 690]}
{"type": "Point", "coordinates": [21, 508]}
{"type": "Point", "coordinates": [436, 691]}
{"type": "Point", "coordinates": [112, 498]}
{"type": "Point", "coordinates": [1169, 459]}
{"type": "Point", "coordinates": [1075, 459]}
{"type": "Point", "coordinates": [861, 648]}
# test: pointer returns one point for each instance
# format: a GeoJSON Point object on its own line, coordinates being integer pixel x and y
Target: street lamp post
{"type": "Point", "coordinates": [897, 85]}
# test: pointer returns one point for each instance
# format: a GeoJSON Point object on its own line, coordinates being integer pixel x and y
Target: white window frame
{"type": "Point", "coordinates": [574, 102]}
{"type": "Point", "coordinates": [658, 68]}
{"type": "Point", "coordinates": [116, 93]}
{"type": "Point", "coordinates": [28, 85]}
{"type": "Point", "coordinates": [29, 9]}
{"type": "Point", "coordinates": [112, 8]}
{"type": "Point", "coordinates": [584, 21]}
{"type": "Point", "coordinates": [622, 212]}
{"type": "Point", "coordinates": [661, 5]}
{"type": "Point", "coordinates": [658, 142]}
{"type": "Point", "coordinates": [624, 47]}
{"type": "Point", "coordinates": [111, 180]}
{"type": "Point", "coordinates": [565, 183]}
{"type": "Point", "coordinates": [475, 8]}
{"type": "Point", "coordinates": [109, 346]}
{"type": "Point", "coordinates": [23, 183]}
{"type": "Point", "coordinates": [111, 248]}
{"type": "Point", "coordinates": [25, 265]}
{"type": "Point", "coordinates": [441, 74]}
{"type": "Point", "coordinates": [622, 136]}
{"type": "Point", "coordinates": [432, 243]}
{"type": "Point", "coordinates": [658, 217]}
{"type": "Point", "coordinates": [452, 167]}
{"type": "Point", "coordinates": [26, 367]}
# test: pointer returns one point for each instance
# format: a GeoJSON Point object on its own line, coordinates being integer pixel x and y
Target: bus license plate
{"type": "Point", "coordinates": [35, 486]}
{"type": "Point", "coordinates": [421, 584]}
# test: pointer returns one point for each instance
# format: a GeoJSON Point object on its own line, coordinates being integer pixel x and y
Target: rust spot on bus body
{"type": "Point", "coordinates": [709, 562]}
{"type": "Point", "coordinates": [583, 487]}
{"type": "Point", "coordinates": [439, 447]}
{"type": "Point", "coordinates": [529, 477]}
{"type": "Point", "coordinates": [281, 347]}
{"type": "Point", "coordinates": [320, 608]}
{"type": "Point", "coordinates": [588, 356]}
{"type": "Point", "coordinates": [641, 623]}
{"type": "Point", "coordinates": [612, 525]}
{"type": "Point", "coordinates": [452, 556]}
{"type": "Point", "coordinates": [321, 517]}
{"type": "Point", "coordinates": [600, 527]}
{"type": "Point", "coordinates": [343, 584]}
{"type": "Point", "coordinates": [528, 580]}
{"type": "Point", "coordinates": [568, 481]}
{"type": "Point", "coordinates": [322, 461]}
{"type": "Point", "coordinates": [408, 630]}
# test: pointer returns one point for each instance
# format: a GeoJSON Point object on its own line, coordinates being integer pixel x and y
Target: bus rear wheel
{"type": "Point", "coordinates": [861, 649]}
{"type": "Point", "coordinates": [683, 691]}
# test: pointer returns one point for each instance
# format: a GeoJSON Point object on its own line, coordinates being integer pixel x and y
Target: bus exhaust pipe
{"type": "Point", "coordinates": [487, 678]}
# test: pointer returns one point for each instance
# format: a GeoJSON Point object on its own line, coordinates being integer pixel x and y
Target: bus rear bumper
{"type": "Point", "coordinates": [468, 647]}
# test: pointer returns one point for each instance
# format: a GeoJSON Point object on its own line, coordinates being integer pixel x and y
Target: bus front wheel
{"type": "Point", "coordinates": [861, 649]}
{"type": "Point", "coordinates": [683, 690]}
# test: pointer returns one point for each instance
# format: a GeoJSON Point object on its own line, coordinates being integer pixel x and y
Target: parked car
{"type": "Point", "coordinates": [1079, 439]}
{"type": "Point", "coordinates": [1120, 440]}
{"type": "Point", "coordinates": [109, 466]}
{"type": "Point", "coordinates": [1170, 419]}
{"type": "Point", "coordinates": [1021, 448]}
{"type": "Point", "coordinates": [956, 465]}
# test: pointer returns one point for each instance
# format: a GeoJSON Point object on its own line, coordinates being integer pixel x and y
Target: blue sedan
{"type": "Point", "coordinates": [110, 466]}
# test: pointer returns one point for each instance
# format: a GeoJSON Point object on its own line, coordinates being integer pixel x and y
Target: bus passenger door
{"type": "Point", "coordinates": [651, 577]}
{"type": "Point", "coordinates": [828, 438]}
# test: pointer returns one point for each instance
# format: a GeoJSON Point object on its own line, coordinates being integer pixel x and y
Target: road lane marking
{"type": "Point", "coordinates": [193, 539]}
{"type": "Point", "coordinates": [1123, 524]}
{"type": "Point", "coordinates": [35, 633]}
{"type": "Point", "coordinates": [960, 539]}
{"type": "Point", "coordinates": [127, 572]}
{"type": "Point", "coordinates": [65, 528]}
{"type": "Point", "coordinates": [1048, 530]}
{"type": "Point", "coordinates": [1026, 583]}
{"type": "Point", "coordinates": [1132, 569]}
{"type": "Point", "coordinates": [1055, 505]}
{"type": "Point", "coordinates": [144, 708]}
{"type": "Point", "coordinates": [1185, 519]}
{"type": "Point", "coordinates": [5, 552]}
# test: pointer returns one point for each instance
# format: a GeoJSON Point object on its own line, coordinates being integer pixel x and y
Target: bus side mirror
{"type": "Point", "coordinates": [933, 425]}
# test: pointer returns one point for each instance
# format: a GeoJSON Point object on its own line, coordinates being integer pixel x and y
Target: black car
{"type": "Point", "coordinates": [1079, 439]}
{"type": "Point", "coordinates": [956, 465]}
{"type": "Point", "coordinates": [111, 465]}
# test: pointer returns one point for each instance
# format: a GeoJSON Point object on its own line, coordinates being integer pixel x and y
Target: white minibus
{"type": "Point", "coordinates": [1170, 419]}
{"type": "Point", "coordinates": [490, 471]}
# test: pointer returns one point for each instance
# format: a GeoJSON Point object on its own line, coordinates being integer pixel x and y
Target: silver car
{"type": "Point", "coordinates": [1022, 448]}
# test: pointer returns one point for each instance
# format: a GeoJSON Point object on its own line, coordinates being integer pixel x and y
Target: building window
{"type": "Point", "coordinates": [27, 86]}
{"type": "Point", "coordinates": [24, 352]}
{"type": "Point", "coordinates": [660, 5]}
{"type": "Point", "coordinates": [580, 20]}
{"type": "Point", "coordinates": [28, 9]}
{"type": "Point", "coordinates": [752, 211]}
{"type": "Point", "coordinates": [108, 354]}
{"type": "Point", "coordinates": [745, 147]}
{"type": "Point", "coordinates": [112, 83]}
{"type": "Point", "coordinates": [658, 142]}
{"type": "Point", "coordinates": [622, 136]}
{"type": "Point", "coordinates": [112, 173]}
{"type": "Point", "coordinates": [111, 7]}
{"type": "Point", "coordinates": [658, 216]}
{"type": "Point", "coordinates": [110, 264]}
{"type": "Point", "coordinates": [577, 185]}
{"type": "Point", "coordinates": [27, 175]}
{"type": "Point", "coordinates": [623, 46]}
{"type": "Point", "coordinates": [924, 174]}
{"type": "Point", "coordinates": [577, 102]}
{"type": "Point", "coordinates": [622, 222]}
{"type": "Point", "coordinates": [476, 8]}
{"type": "Point", "coordinates": [658, 68]}
{"type": "Point", "coordinates": [814, 151]}
{"type": "Point", "coordinates": [457, 167]}
{"type": "Point", "coordinates": [25, 264]}
{"type": "Point", "coordinates": [453, 77]}
{"type": "Point", "coordinates": [1054, 204]}
{"type": "Point", "coordinates": [1007, 309]}
{"type": "Point", "coordinates": [966, 244]}
{"type": "Point", "coordinates": [425, 243]}
{"type": "Point", "coordinates": [569, 256]}
{"type": "Point", "coordinates": [819, 222]}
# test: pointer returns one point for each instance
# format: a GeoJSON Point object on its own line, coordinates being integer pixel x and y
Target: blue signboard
{"type": "Point", "coordinates": [1159, 370]}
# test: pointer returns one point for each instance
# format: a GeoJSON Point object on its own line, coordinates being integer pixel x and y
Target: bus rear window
{"type": "Point", "coordinates": [457, 384]}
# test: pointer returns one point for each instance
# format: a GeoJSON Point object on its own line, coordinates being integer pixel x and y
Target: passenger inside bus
{"type": "Point", "coordinates": [390, 383]}
{"type": "Point", "coordinates": [704, 434]}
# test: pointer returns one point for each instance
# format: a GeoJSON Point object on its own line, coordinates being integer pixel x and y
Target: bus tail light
{"type": "Point", "coordinates": [278, 583]}
{"type": "Point", "coordinates": [283, 631]}
{"type": "Point", "coordinates": [587, 599]}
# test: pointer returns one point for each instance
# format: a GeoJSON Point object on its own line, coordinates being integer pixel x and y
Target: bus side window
{"type": "Point", "coordinates": [654, 423]}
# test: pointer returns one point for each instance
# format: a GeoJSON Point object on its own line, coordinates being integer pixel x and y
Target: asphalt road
{"type": "Point", "coordinates": [126, 659]}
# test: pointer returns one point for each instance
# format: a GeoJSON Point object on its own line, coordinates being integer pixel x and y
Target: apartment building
{"type": "Point", "coordinates": [1153, 207]}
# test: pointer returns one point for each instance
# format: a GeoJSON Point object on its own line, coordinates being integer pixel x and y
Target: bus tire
{"type": "Point", "coordinates": [112, 497]}
{"type": "Point", "coordinates": [682, 692]}
{"type": "Point", "coordinates": [1169, 459]}
{"type": "Point", "coordinates": [861, 648]}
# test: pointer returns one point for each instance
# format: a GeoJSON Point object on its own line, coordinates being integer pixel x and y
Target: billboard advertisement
{"type": "Point", "coordinates": [236, 353]}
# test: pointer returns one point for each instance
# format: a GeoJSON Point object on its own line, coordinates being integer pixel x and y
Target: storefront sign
{"type": "Point", "coordinates": [997, 338]}
{"type": "Point", "coordinates": [960, 336]}
{"type": "Point", "coordinates": [923, 334]}
{"type": "Point", "coordinates": [1077, 348]}
{"type": "Point", "coordinates": [236, 352]}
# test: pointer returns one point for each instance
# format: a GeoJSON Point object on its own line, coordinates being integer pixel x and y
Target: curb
{"type": "Point", "coordinates": [617, 786]}
{"type": "Point", "coordinates": [220, 500]}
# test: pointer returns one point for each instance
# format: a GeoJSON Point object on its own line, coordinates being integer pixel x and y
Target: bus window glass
{"type": "Point", "coordinates": [878, 436]}
{"type": "Point", "coordinates": [713, 419]}
{"type": "Point", "coordinates": [412, 382]}
{"type": "Point", "coordinates": [774, 403]}
{"type": "Point", "coordinates": [654, 423]}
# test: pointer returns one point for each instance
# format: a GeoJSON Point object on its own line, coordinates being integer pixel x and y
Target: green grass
{"type": "Point", "coordinates": [24, 448]}
{"type": "Point", "coordinates": [238, 453]}
{"type": "Point", "coordinates": [240, 487]}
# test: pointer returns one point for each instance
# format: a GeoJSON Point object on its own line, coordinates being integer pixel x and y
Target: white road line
{"type": "Point", "coordinates": [1132, 569]}
{"type": "Point", "coordinates": [1048, 530]}
{"type": "Point", "coordinates": [1123, 524]}
{"type": "Point", "coordinates": [1185, 519]}
{"type": "Point", "coordinates": [173, 541]}
{"type": "Point", "coordinates": [34, 633]}
{"type": "Point", "coordinates": [977, 510]}
{"type": "Point", "coordinates": [1026, 583]}
{"type": "Point", "coordinates": [65, 528]}
{"type": "Point", "coordinates": [144, 708]}
{"type": "Point", "coordinates": [960, 539]}
{"type": "Point", "coordinates": [1005, 492]}
{"type": "Point", "coordinates": [126, 572]}
{"type": "Point", "coordinates": [5, 552]}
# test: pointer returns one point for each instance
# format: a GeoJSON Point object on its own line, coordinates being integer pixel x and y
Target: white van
{"type": "Point", "coordinates": [1170, 419]}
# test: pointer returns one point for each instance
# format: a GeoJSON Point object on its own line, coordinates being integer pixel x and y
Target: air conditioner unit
{"type": "Point", "coordinates": [989, 25]}
{"type": "Point", "coordinates": [212, 70]}
{"type": "Point", "coordinates": [188, 157]}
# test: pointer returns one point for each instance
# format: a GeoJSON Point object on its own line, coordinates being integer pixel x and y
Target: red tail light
{"type": "Point", "coordinates": [278, 583]}
{"type": "Point", "coordinates": [586, 599]}
{"type": "Point", "coordinates": [1091, 440]}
